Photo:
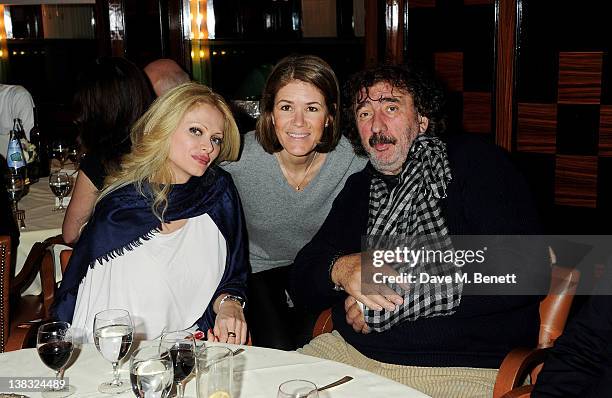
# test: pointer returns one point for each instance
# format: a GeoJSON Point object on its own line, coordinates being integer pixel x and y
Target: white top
{"type": "Point", "coordinates": [167, 282]}
{"type": "Point", "coordinates": [15, 102]}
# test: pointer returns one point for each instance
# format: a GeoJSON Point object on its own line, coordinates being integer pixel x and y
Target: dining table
{"type": "Point", "coordinates": [257, 374]}
{"type": "Point", "coordinates": [41, 222]}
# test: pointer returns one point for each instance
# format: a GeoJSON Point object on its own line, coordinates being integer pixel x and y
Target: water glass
{"type": "Point", "coordinates": [61, 185]}
{"type": "Point", "coordinates": [214, 372]}
{"type": "Point", "coordinates": [151, 372]}
{"type": "Point", "coordinates": [113, 333]}
{"type": "Point", "coordinates": [297, 389]}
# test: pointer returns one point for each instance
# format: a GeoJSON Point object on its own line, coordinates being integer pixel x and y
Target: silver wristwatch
{"type": "Point", "coordinates": [231, 297]}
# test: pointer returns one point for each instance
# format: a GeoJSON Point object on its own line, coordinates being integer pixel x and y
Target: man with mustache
{"type": "Point", "coordinates": [417, 183]}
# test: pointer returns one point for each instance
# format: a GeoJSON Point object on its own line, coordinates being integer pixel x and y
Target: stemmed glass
{"type": "Point", "coordinates": [181, 345]}
{"type": "Point", "coordinates": [60, 184]}
{"type": "Point", "coordinates": [54, 346]}
{"type": "Point", "coordinates": [16, 188]}
{"type": "Point", "coordinates": [297, 389]}
{"type": "Point", "coordinates": [113, 333]}
{"type": "Point", "coordinates": [60, 150]}
{"type": "Point", "coordinates": [151, 372]}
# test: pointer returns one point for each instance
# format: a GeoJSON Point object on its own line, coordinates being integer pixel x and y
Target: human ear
{"type": "Point", "coordinates": [423, 123]}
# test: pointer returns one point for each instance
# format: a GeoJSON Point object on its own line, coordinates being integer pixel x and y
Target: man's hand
{"type": "Point", "coordinates": [230, 325]}
{"type": "Point", "coordinates": [354, 315]}
{"type": "Point", "coordinates": [346, 272]}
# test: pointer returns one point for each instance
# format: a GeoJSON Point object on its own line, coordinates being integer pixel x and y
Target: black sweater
{"type": "Point", "coordinates": [485, 196]}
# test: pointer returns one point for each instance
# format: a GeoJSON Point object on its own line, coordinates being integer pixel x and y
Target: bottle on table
{"type": "Point", "coordinates": [15, 158]}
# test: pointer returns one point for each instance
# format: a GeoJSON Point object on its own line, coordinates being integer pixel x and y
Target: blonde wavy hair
{"type": "Point", "coordinates": [148, 162]}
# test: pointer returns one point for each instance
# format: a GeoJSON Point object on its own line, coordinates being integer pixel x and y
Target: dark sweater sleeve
{"type": "Point", "coordinates": [92, 166]}
{"type": "Point", "coordinates": [310, 283]}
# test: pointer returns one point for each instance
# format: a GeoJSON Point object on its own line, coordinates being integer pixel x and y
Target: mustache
{"type": "Point", "coordinates": [381, 139]}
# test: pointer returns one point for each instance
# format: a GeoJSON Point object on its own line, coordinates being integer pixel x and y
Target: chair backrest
{"type": "Point", "coordinates": [555, 308]}
{"type": "Point", "coordinates": [27, 310]}
{"type": "Point", "coordinates": [5, 278]}
{"type": "Point", "coordinates": [65, 258]}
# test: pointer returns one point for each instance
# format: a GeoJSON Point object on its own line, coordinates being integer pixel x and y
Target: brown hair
{"type": "Point", "coordinates": [308, 69]}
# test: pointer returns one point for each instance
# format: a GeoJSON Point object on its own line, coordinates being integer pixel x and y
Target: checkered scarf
{"type": "Point", "coordinates": [411, 216]}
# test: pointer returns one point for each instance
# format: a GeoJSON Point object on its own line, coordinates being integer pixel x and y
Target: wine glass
{"type": "Point", "coordinates": [15, 187]}
{"type": "Point", "coordinates": [113, 333]}
{"type": "Point", "coordinates": [151, 372]}
{"type": "Point", "coordinates": [60, 150]}
{"type": "Point", "coordinates": [61, 184]}
{"type": "Point", "coordinates": [54, 346]}
{"type": "Point", "coordinates": [181, 345]}
{"type": "Point", "coordinates": [297, 389]}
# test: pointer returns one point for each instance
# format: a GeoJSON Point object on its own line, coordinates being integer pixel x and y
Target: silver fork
{"type": "Point", "coordinates": [21, 218]}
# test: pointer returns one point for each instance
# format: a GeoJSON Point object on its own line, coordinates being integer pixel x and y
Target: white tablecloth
{"type": "Point", "coordinates": [257, 374]}
{"type": "Point", "coordinates": [41, 223]}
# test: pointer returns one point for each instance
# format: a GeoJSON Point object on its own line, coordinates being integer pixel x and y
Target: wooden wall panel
{"type": "Point", "coordinates": [605, 132]}
{"type": "Point", "coordinates": [576, 181]}
{"type": "Point", "coordinates": [477, 112]}
{"type": "Point", "coordinates": [537, 128]}
{"type": "Point", "coordinates": [580, 77]}
{"type": "Point", "coordinates": [421, 3]}
{"type": "Point", "coordinates": [449, 67]}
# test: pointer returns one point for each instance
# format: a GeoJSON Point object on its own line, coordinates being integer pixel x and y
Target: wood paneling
{"type": "Point", "coordinates": [449, 67]}
{"type": "Point", "coordinates": [605, 131]}
{"type": "Point", "coordinates": [477, 2]}
{"type": "Point", "coordinates": [580, 77]}
{"type": "Point", "coordinates": [537, 128]}
{"type": "Point", "coordinates": [505, 41]}
{"type": "Point", "coordinates": [477, 112]}
{"type": "Point", "coordinates": [394, 27]}
{"type": "Point", "coordinates": [576, 181]}
{"type": "Point", "coordinates": [371, 33]}
{"type": "Point", "coordinates": [421, 3]}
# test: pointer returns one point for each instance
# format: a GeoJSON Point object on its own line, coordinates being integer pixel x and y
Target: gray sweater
{"type": "Point", "coordinates": [279, 219]}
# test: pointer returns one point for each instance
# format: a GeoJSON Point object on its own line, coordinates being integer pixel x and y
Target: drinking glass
{"type": "Point", "coordinates": [54, 346]}
{"type": "Point", "coordinates": [113, 333]}
{"type": "Point", "coordinates": [61, 184]}
{"type": "Point", "coordinates": [151, 372]}
{"type": "Point", "coordinates": [59, 149]}
{"type": "Point", "coordinates": [215, 372]}
{"type": "Point", "coordinates": [181, 345]}
{"type": "Point", "coordinates": [297, 389]}
{"type": "Point", "coordinates": [15, 187]}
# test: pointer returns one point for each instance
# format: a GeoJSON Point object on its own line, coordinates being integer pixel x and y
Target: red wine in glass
{"type": "Point", "coordinates": [55, 354]}
{"type": "Point", "coordinates": [183, 360]}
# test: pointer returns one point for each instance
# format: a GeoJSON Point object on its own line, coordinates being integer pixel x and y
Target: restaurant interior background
{"type": "Point", "coordinates": [532, 76]}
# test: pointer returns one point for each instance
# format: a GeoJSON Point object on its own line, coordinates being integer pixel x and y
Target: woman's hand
{"type": "Point", "coordinates": [230, 325]}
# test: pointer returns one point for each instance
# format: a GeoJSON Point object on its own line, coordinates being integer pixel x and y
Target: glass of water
{"type": "Point", "coordinates": [113, 333]}
{"type": "Point", "coordinates": [61, 184]}
{"type": "Point", "coordinates": [151, 372]}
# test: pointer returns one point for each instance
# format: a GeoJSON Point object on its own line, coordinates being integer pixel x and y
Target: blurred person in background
{"type": "Point", "coordinates": [111, 95]}
{"type": "Point", "coordinates": [165, 74]}
{"type": "Point", "coordinates": [15, 103]}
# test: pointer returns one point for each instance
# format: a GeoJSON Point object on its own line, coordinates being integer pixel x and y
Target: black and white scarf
{"type": "Point", "coordinates": [410, 215]}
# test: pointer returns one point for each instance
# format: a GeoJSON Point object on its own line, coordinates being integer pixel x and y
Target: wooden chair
{"type": "Point", "coordinates": [25, 312]}
{"type": "Point", "coordinates": [5, 278]}
{"type": "Point", "coordinates": [554, 310]}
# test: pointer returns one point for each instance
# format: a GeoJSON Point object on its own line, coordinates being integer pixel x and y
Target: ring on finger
{"type": "Point", "coordinates": [231, 334]}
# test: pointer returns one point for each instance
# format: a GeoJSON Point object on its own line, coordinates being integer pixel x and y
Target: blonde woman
{"type": "Point", "coordinates": [166, 239]}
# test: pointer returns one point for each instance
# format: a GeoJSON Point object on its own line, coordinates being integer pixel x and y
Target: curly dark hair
{"type": "Point", "coordinates": [111, 95]}
{"type": "Point", "coordinates": [427, 95]}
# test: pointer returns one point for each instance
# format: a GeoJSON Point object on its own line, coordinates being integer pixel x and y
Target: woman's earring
{"type": "Point", "coordinates": [326, 124]}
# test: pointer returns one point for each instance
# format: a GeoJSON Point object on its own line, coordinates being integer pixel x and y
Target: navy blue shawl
{"type": "Point", "coordinates": [123, 219]}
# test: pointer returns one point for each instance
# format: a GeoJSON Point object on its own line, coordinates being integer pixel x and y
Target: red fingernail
{"type": "Point", "coordinates": [199, 335]}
